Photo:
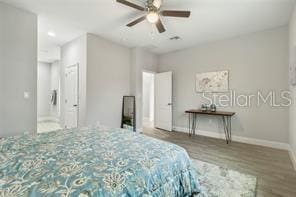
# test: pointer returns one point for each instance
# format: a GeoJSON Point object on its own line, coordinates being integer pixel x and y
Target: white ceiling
{"type": "Point", "coordinates": [210, 20]}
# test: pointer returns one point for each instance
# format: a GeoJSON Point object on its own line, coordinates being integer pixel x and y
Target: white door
{"type": "Point", "coordinates": [163, 101]}
{"type": "Point", "coordinates": [71, 96]}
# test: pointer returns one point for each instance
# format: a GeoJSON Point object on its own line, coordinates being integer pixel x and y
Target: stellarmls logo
{"type": "Point", "coordinates": [235, 99]}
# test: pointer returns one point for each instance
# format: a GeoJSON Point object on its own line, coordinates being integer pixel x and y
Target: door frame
{"type": "Point", "coordinates": [78, 90]}
{"type": "Point", "coordinates": [154, 98]}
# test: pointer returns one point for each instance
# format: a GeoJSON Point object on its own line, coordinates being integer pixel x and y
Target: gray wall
{"type": "Point", "coordinates": [108, 72]}
{"type": "Point", "coordinates": [256, 61]}
{"type": "Point", "coordinates": [292, 44]}
{"type": "Point", "coordinates": [19, 71]}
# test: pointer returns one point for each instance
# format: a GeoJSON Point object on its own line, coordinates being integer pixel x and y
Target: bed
{"type": "Point", "coordinates": [94, 162]}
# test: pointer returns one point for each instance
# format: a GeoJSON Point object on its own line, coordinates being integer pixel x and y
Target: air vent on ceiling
{"type": "Point", "coordinates": [175, 38]}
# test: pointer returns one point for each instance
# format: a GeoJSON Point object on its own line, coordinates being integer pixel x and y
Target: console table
{"type": "Point", "coordinates": [226, 117]}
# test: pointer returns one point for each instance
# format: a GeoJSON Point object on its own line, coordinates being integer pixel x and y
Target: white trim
{"type": "Point", "coordinates": [271, 144]}
{"type": "Point", "coordinates": [148, 71]}
{"type": "Point", "coordinates": [292, 154]}
{"type": "Point", "coordinates": [48, 118]}
{"type": "Point", "coordinates": [139, 130]}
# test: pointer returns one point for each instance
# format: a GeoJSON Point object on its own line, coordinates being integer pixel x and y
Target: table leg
{"type": "Point", "coordinates": [189, 125]}
{"type": "Point", "coordinates": [192, 120]}
{"type": "Point", "coordinates": [227, 128]}
{"type": "Point", "coordinates": [195, 124]}
{"type": "Point", "coordinates": [230, 137]}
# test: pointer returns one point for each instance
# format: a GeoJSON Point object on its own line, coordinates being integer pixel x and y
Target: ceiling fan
{"type": "Point", "coordinates": [153, 12]}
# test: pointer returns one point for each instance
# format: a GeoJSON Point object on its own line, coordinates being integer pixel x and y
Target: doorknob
{"type": "Point", "coordinates": [75, 105]}
{"type": "Point", "coordinates": [170, 104]}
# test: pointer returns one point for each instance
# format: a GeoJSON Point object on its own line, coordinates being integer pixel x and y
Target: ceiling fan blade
{"type": "Point", "coordinates": [136, 21]}
{"type": "Point", "coordinates": [175, 13]}
{"type": "Point", "coordinates": [127, 3]}
{"type": "Point", "coordinates": [160, 26]}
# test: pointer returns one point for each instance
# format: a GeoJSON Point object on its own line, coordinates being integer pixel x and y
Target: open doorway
{"type": "Point", "coordinates": [148, 99]}
{"type": "Point", "coordinates": [48, 97]}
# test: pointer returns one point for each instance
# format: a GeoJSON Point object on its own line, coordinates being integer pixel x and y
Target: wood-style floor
{"type": "Point", "coordinates": [273, 168]}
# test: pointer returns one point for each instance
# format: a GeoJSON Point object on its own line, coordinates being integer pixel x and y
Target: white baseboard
{"type": "Point", "coordinates": [49, 118]}
{"type": "Point", "coordinates": [139, 130]}
{"type": "Point", "coordinates": [271, 144]}
{"type": "Point", "coordinates": [293, 156]}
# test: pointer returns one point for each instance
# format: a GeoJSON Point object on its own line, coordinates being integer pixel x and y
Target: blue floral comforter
{"type": "Point", "coordinates": [94, 162]}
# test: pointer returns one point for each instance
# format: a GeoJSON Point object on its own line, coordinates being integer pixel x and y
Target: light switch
{"type": "Point", "coordinates": [26, 95]}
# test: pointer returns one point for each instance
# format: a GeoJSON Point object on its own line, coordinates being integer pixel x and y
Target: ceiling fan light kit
{"type": "Point", "coordinates": [152, 17]}
{"type": "Point", "coordinates": [153, 12]}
